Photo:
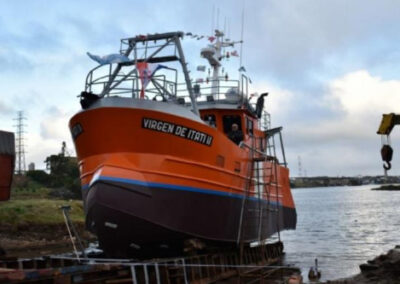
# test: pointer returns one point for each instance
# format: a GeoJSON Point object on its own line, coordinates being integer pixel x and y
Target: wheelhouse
{"type": "Point", "coordinates": [220, 101]}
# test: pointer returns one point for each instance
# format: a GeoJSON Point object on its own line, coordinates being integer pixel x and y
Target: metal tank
{"type": "Point", "coordinates": [7, 162]}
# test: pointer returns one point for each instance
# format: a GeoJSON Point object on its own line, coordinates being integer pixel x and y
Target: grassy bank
{"type": "Point", "coordinates": [33, 203]}
{"type": "Point", "coordinates": [32, 223]}
{"type": "Point", "coordinates": [35, 226]}
{"type": "Point", "coordinates": [38, 211]}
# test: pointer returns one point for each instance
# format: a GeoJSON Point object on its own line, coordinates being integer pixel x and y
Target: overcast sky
{"type": "Point", "coordinates": [331, 68]}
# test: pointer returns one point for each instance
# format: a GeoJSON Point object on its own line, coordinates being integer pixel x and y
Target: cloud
{"type": "Point", "coordinates": [5, 109]}
{"type": "Point", "coordinates": [305, 54]}
{"type": "Point", "coordinates": [37, 149]}
{"type": "Point", "coordinates": [347, 143]}
{"type": "Point", "coordinates": [359, 100]}
{"type": "Point", "coordinates": [54, 125]}
{"type": "Point", "coordinates": [362, 94]}
{"type": "Point", "coordinates": [14, 62]}
{"type": "Point", "coordinates": [299, 43]}
{"type": "Point", "coordinates": [53, 130]}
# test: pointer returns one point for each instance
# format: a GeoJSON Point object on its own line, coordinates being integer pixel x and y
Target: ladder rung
{"type": "Point", "coordinates": [273, 184]}
{"type": "Point", "coordinates": [266, 183]}
{"type": "Point", "coordinates": [259, 159]}
{"type": "Point", "coordinates": [267, 158]}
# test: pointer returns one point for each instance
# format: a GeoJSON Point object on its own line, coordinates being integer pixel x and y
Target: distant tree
{"type": "Point", "coordinates": [64, 174]}
{"type": "Point", "coordinates": [39, 176]}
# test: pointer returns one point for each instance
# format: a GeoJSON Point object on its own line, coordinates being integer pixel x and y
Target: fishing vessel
{"type": "Point", "coordinates": [165, 159]}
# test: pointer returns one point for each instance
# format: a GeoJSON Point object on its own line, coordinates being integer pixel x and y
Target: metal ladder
{"type": "Point", "coordinates": [258, 180]}
{"type": "Point", "coordinates": [271, 151]}
{"type": "Point", "coordinates": [274, 182]}
{"type": "Point", "coordinates": [246, 192]}
{"type": "Point", "coordinates": [267, 183]}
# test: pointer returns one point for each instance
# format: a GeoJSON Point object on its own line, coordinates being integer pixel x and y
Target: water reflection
{"type": "Point", "coordinates": [342, 227]}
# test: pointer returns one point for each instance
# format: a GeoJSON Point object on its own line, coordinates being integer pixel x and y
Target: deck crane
{"type": "Point", "coordinates": [385, 128]}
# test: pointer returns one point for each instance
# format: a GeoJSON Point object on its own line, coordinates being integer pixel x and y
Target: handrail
{"type": "Point", "coordinates": [170, 86]}
{"type": "Point", "coordinates": [128, 83]}
{"type": "Point", "coordinates": [242, 144]}
{"type": "Point", "coordinates": [132, 77]}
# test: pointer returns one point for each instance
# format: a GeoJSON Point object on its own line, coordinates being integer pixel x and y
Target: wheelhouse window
{"type": "Point", "coordinates": [210, 120]}
{"type": "Point", "coordinates": [249, 126]}
{"type": "Point", "coordinates": [228, 120]}
{"type": "Point", "coordinates": [233, 127]}
{"type": "Point", "coordinates": [261, 144]}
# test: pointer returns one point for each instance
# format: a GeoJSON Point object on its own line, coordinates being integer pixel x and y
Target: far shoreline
{"type": "Point", "coordinates": [388, 187]}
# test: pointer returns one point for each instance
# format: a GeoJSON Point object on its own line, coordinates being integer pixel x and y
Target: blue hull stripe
{"type": "Point", "coordinates": [173, 187]}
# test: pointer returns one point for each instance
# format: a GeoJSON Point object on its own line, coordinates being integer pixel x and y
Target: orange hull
{"type": "Point", "coordinates": [114, 137]}
{"type": "Point", "coordinates": [147, 153]}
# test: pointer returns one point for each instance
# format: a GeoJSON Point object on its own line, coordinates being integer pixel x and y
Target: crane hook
{"type": "Point", "coordinates": [387, 154]}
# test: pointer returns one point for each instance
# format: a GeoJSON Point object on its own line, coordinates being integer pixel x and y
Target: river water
{"type": "Point", "coordinates": [342, 227]}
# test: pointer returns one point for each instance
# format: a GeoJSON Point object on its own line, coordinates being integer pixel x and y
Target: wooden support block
{"type": "Point", "coordinates": [62, 279]}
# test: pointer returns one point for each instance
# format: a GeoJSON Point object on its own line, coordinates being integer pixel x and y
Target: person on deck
{"type": "Point", "coordinates": [235, 134]}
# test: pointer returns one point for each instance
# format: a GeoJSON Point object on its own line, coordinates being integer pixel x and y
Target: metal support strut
{"type": "Point", "coordinates": [70, 226]}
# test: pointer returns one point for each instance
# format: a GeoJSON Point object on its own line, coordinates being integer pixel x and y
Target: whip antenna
{"type": "Point", "coordinates": [225, 26]}
{"type": "Point", "coordinates": [217, 18]}
{"type": "Point", "coordinates": [241, 38]}
{"type": "Point", "coordinates": [212, 20]}
{"type": "Point", "coordinates": [229, 29]}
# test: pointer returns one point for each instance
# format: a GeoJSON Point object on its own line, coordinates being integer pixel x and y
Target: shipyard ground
{"type": "Point", "coordinates": [33, 225]}
{"type": "Point", "coordinates": [209, 268]}
{"type": "Point", "coordinates": [31, 241]}
{"type": "Point", "coordinates": [32, 231]}
{"type": "Point", "coordinates": [36, 240]}
{"type": "Point", "coordinates": [247, 265]}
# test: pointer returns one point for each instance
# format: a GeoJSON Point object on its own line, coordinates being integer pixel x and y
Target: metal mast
{"type": "Point", "coordinates": [20, 146]}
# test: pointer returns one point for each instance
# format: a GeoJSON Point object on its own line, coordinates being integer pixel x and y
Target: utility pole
{"type": "Point", "coordinates": [20, 146]}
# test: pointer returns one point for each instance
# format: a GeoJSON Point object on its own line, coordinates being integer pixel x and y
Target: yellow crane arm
{"type": "Point", "coordinates": [387, 123]}
{"type": "Point", "coordinates": [385, 128]}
